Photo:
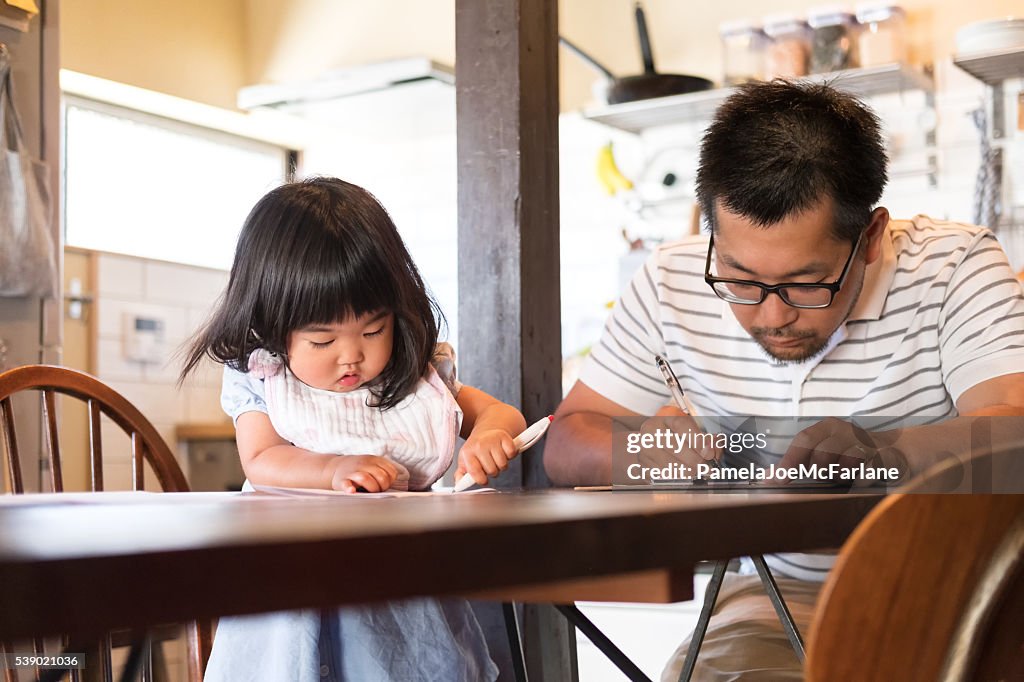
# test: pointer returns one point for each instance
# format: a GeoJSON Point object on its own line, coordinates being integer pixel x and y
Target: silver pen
{"type": "Point", "coordinates": [677, 393]}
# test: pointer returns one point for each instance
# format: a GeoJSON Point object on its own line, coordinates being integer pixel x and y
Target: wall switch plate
{"type": "Point", "coordinates": [144, 338]}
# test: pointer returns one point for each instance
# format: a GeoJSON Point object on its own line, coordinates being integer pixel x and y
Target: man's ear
{"type": "Point", "coordinates": [874, 232]}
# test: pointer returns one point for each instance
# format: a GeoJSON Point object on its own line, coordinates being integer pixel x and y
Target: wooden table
{"type": "Point", "coordinates": [85, 566]}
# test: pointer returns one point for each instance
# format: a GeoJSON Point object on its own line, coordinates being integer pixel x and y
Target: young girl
{"type": "Point", "coordinates": [335, 379]}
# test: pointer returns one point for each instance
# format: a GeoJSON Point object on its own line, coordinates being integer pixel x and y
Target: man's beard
{"type": "Point", "coordinates": [794, 354]}
{"type": "Point", "coordinates": [799, 354]}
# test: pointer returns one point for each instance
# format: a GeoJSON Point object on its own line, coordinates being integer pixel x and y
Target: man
{"type": "Point", "coordinates": [819, 304]}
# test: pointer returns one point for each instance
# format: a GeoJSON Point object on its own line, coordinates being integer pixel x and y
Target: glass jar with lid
{"type": "Point", "coordinates": [833, 39]}
{"type": "Point", "coordinates": [743, 45]}
{"type": "Point", "coordinates": [788, 48]}
{"type": "Point", "coordinates": [882, 38]}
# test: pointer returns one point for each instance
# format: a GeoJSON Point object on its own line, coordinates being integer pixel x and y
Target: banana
{"type": "Point", "coordinates": [608, 173]}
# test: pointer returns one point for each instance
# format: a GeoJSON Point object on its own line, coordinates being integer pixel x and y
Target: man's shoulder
{"type": "Point", "coordinates": [929, 248]}
{"type": "Point", "coordinates": [677, 267]}
{"type": "Point", "coordinates": [696, 244]}
{"type": "Point", "coordinates": [682, 255]}
{"type": "Point", "coordinates": [925, 230]}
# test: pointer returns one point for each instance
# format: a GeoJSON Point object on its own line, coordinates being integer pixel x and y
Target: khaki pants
{"type": "Point", "coordinates": [745, 640]}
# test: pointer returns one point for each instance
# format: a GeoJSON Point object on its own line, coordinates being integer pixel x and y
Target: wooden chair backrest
{"type": "Point", "coordinates": [147, 446]}
{"type": "Point", "coordinates": [146, 443]}
{"type": "Point", "coordinates": [899, 599]}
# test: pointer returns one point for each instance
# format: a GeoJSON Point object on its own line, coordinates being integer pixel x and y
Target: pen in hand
{"type": "Point", "coordinates": [524, 441]}
{"type": "Point", "coordinates": [677, 394]}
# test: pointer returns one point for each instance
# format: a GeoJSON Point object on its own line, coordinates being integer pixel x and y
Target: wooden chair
{"type": "Point", "coordinates": [928, 587]}
{"type": "Point", "coordinates": [146, 447]}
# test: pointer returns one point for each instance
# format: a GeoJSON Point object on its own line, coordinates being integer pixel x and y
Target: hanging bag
{"type": "Point", "coordinates": [27, 259]}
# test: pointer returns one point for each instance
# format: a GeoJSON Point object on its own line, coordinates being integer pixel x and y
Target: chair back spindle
{"type": "Point", "coordinates": [11, 445]}
{"type": "Point", "coordinates": [95, 446]}
{"type": "Point", "coordinates": [53, 441]}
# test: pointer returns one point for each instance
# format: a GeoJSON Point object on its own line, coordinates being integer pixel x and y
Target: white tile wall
{"type": "Point", "coordinates": [207, 373]}
{"type": "Point", "coordinates": [112, 312]}
{"type": "Point", "coordinates": [120, 277]}
{"type": "Point", "coordinates": [197, 316]}
{"type": "Point", "coordinates": [154, 400]}
{"type": "Point", "coordinates": [202, 405]}
{"type": "Point", "coordinates": [166, 371]}
{"type": "Point", "coordinates": [182, 296]}
{"type": "Point", "coordinates": [181, 284]}
{"type": "Point", "coordinates": [111, 362]}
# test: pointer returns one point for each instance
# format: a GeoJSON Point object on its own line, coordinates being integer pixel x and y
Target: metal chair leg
{"type": "Point", "coordinates": [614, 654]}
{"type": "Point", "coordinates": [697, 638]}
{"type": "Point", "coordinates": [772, 588]}
{"type": "Point", "coordinates": [515, 642]}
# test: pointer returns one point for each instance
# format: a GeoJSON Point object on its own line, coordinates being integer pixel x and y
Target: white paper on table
{"type": "Point", "coordinates": [115, 497]}
{"type": "Point", "coordinates": [321, 492]}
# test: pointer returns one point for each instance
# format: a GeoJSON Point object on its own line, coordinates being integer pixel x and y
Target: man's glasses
{"type": "Point", "coordinates": [798, 295]}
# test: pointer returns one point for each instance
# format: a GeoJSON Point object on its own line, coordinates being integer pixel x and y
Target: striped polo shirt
{"type": "Point", "coordinates": [941, 311]}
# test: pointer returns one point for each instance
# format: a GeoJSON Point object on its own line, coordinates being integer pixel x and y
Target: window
{"type": "Point", "coordinates": [147, 186]}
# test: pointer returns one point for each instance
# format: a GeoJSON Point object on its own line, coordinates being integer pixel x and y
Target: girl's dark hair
{"type": "Point", "coordinates": [315, 252]}
{"type": "Point", "coordinates": [776, 149]}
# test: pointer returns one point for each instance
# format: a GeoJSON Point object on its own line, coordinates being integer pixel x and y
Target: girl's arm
{"type": "Point", "coordinates": [268, 459]}
{"type": "Point", "coordinates": [488, 425]}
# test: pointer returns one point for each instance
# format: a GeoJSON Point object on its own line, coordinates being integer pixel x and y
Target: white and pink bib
{"type": "Point", "coordinates": [420, 433]}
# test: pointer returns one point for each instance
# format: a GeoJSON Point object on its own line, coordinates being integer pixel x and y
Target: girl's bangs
{"type": "Point", "coordinates": [335, 284]}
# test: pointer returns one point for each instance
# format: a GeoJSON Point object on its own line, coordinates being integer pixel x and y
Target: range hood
{"type": "Point", "coordinates": [396, 97]}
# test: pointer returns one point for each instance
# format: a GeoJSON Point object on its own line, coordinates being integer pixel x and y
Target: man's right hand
{"type": "Point", "coordinates": [671, 418]}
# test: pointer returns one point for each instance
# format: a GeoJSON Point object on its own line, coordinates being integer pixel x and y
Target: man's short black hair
{"type": "Point", "coordinates": [776, 149]}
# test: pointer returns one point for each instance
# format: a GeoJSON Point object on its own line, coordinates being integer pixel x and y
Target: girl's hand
{"type": "Point", "coordinates": [371, 473]}
{"type": "Point", "coordinates": [485, 454]}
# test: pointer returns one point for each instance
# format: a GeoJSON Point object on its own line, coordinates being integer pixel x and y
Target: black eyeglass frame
{"type": "Point", "coordinates": [780, 289]}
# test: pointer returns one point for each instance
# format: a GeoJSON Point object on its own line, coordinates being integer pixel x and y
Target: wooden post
{"type": "Point", "coordinates": [506, 83]}
{"type": "Point", "coordinates": [506, 76]}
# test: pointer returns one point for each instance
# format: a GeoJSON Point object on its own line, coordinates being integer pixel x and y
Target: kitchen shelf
{"type": "Point", "coordinates": [993, 68]}
{"type": "Point", "coordinates": [222, 430]}
{"type": "Point", "coordinates": [638, 116]}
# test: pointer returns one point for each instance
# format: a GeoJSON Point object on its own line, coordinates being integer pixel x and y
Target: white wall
{"type": "Point", "coordinates": [182, 296]}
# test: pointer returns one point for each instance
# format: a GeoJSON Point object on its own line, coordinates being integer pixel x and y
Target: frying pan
{"type": "Point", "coordinates": [648, 84]}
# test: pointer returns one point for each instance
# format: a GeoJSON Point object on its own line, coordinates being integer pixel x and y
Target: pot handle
{"type": "Point", "coordinates": [645, 39]}
{"type": "Point", "coordinates": [597, 66]}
